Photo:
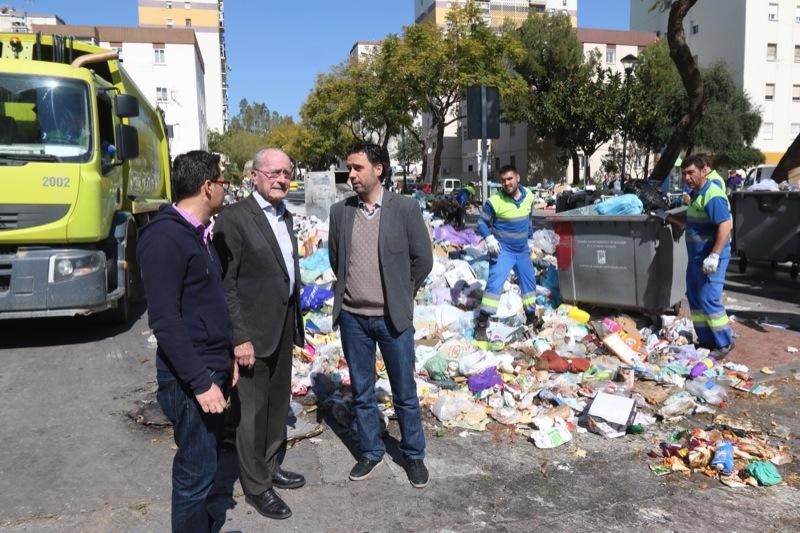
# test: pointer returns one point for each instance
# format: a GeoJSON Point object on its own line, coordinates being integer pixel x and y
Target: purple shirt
{"type": "Point", "coordinates": [203, 229]}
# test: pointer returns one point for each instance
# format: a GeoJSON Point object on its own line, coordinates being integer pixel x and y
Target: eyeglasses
{"type": "Point", "coordinates": [224, 183]}
{"type": "Point", "coordinates": [275, 174]}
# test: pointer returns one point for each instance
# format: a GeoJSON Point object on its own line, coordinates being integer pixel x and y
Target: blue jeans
{"type": "Point", "coordinates": [359, 337]}
{"type": "Point", "coordinates": [199, 439]}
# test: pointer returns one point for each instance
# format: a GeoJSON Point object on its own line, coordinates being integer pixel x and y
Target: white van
{"type": "Point", "coordinates": [450, 185]}
{"type": "Point", "coordinates": [757, 174]}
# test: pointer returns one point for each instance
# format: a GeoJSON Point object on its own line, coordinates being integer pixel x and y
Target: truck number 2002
{"type": "Point", "coordinates": [51, 181]}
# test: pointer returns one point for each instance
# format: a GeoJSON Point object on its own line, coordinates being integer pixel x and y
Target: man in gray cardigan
{"type": "Point", "coordinates": [381, 253]}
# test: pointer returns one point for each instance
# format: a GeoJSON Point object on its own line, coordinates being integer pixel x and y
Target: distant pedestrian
{"type": "Point", "coordinates": [187, 313]}
{"type": "Point", "coordinates": [734, 180]}
{"type": "Point", "coordinates": [261, 268]}
{"type": "Point", "coordinates": [381, 253]}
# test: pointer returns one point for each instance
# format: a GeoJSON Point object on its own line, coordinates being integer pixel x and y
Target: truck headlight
{"type": "Point", "coordinates": [74, 266]}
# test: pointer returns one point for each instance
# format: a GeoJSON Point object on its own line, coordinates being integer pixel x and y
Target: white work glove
{"type": "Point", "coordinates": [492, 245]}
{"type": "Point", "coordinates": [710, 264]}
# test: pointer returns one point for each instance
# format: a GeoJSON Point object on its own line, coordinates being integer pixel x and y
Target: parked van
{"type": "Point", "coordinates": [450, 185]}
{"type": "Point", "coordinates": [758, 174]}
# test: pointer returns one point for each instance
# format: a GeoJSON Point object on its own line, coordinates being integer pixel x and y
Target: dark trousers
{"type": "Point", "coordinates": [198, 437]}
{"type": "Point", "coordinates": [360, 334]}
{"type": "Point", "coordinates": [262, 402]}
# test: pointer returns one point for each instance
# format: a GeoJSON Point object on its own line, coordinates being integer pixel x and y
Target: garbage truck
{"type": "Point", "coordinates": [84, 163]}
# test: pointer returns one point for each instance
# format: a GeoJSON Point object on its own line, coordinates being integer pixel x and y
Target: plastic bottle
{"type": "Point", "coordinates": [699, 368]}
{"type": "Point", "coordinates": [574, 312]}
{"type": "Point", "coordinates": [723, 458]}
{"type": "Point", "coordinates": [708, 390]}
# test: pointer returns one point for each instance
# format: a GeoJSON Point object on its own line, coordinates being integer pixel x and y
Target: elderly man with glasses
{"type": "Point", "coordinates": [261, 275]}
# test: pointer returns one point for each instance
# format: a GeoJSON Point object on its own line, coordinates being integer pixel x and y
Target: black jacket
{"type": "Point", "coordinates": [404, 251]}
{"type": "Point", "coordinates": [256, 279]}
{"type": "Point", "coordinates": [185, 300]}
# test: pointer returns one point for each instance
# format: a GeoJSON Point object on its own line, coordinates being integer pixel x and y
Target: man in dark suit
{"type": "Point", "coordinates": [261, 272]}
{"type": "Point", "coordinates": [381, 253]}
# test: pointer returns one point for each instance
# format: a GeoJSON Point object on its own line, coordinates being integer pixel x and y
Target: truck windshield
{"type": "Point", "coordinates": [44, 116]}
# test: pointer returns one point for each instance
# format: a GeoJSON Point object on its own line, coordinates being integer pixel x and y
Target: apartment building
{"type": "Point", "coordinates": [16, 21]}
{"type": "Point", "coordinates": [167, 67]}
{"type": "Point", "coordinates": [759, 41]}
{"type": "Point", "coordinates": [496, 12]}
{"type": "Point", "coordinates": [207, 19]}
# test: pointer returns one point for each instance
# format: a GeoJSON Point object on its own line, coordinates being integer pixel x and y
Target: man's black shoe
{"type": "Point", "coordinates": [363, 468]}
{"type": "Point", "coordinates": [480, 329]}
{"type": "Point", "coordinates": [417, 472]}
{"type": "Point", "coordinates": [269, 504]}
{"type": "Point", "coordinates": [283, 479]}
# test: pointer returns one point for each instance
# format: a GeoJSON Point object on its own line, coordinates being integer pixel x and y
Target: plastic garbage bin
{"type": "Point", "coordinates": [766, 227]}
{"type": "Point", "coordinates": [627, 262]}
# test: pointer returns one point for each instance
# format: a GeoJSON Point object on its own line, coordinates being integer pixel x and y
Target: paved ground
{"type": "Point", "coordinates": [72, 460]}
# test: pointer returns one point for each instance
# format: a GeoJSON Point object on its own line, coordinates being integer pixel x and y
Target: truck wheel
{"type": "Point", "coordinates": [742, 264]}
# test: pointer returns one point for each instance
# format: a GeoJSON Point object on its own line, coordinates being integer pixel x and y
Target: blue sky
{"type": "Point", "coordinates": [276, 48]}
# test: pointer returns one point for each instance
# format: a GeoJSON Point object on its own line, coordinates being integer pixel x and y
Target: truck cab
{"type": "Point", "coordinates": [76, 187]}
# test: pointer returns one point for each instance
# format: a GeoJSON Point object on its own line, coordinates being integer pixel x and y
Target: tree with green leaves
{"type": "Point", "coordinates": [583, 111]}
{"type": "Point", "coordinates": [552, 67]}
{"type": "Point", "coordinates": [433, 68]}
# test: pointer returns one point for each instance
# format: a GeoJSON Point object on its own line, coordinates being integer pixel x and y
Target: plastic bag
{"type": "Point", "coordinates": [446, 408]}
{"type": "Point", "coordinates": [627, 204]}
{"type": "Point", "coordinates": [650, 195]}
{"type": "Point", "coordinates": [313, 297]}
{"type": "Point", "coordinates": [436, 367]}
{"type": "Point", "coordinates": [765, 472]}
{"type": "Point", "coordinates": [545, 240]}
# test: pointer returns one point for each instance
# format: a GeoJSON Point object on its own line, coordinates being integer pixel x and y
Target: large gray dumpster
{"type": "Point", "coordinates": [766, 227]}
{"type": "Point", "coordinates": [627, 262]}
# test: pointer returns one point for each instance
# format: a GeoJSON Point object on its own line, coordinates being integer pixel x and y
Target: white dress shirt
{"type": "Point", "coordinates": [278, 225]}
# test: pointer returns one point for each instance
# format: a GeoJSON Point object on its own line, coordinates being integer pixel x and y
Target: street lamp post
{"type": "Point", "coordinates": [628, 63]}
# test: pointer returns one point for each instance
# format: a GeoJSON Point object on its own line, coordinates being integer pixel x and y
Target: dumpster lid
{"type": "Point", "coordinates": [567, 217]}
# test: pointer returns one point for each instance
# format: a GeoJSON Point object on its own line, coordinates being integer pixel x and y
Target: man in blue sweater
{"type": "Point", "coordinates": [186, 306]}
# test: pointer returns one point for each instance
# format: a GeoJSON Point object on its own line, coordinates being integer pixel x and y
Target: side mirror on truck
{"type": "Point", "coordinates": [127, 142]}
{"type": "Point", "coordinates": [126, 105]}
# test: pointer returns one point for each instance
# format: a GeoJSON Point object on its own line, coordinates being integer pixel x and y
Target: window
{"type": "Point", "coordinates": [159, 57]}
{"type": "Point", "coordinates": [512, 130]}
{"type": "Point", "coordinates": [469, 168]}
{"type": "Point", "coordinates": [117, 47]}
{"type": "Point", "coordinates": [169, 4]}
{"type": "Point", "coordinates": [170, 22]}
{"type": "Point", "coordinates": [796, 54]}
{"type": "Point", "coordinates": [769, 92]}
{"type": "Point", "coordinates": [772, 51]}
{"type": "Point", "coordinates": [766, 131]}
{"type": "Point", "coordinates": [611, 54]}
{"type": "Point", "coordinates": [513, 161]}
{"type": "Point", "coordinates": [772, 11]}
{"type": "Point", "coordinates": [188, 23]}
{"type": "Point", "coordinates": [797, 14]}
{"type": "Point", "coordinates": [794, 130]}
{"type": "Point", "coordinates": [795, 93]}
{"type": "Point", "coordinates": [161, 95]}
{"type": "Point", "coordinates": [695, 28]}
{"type": "Point", "coordinates": [496, 164]}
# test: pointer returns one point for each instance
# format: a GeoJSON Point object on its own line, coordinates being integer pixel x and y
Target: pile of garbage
{"type": "Point", "coordinates": [734, 452]}
{"type": "Point", "coordinates": [608, 374]}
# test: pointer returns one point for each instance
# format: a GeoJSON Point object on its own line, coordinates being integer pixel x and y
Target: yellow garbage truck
{"type": "Point", "coordinates": [84, 163]}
